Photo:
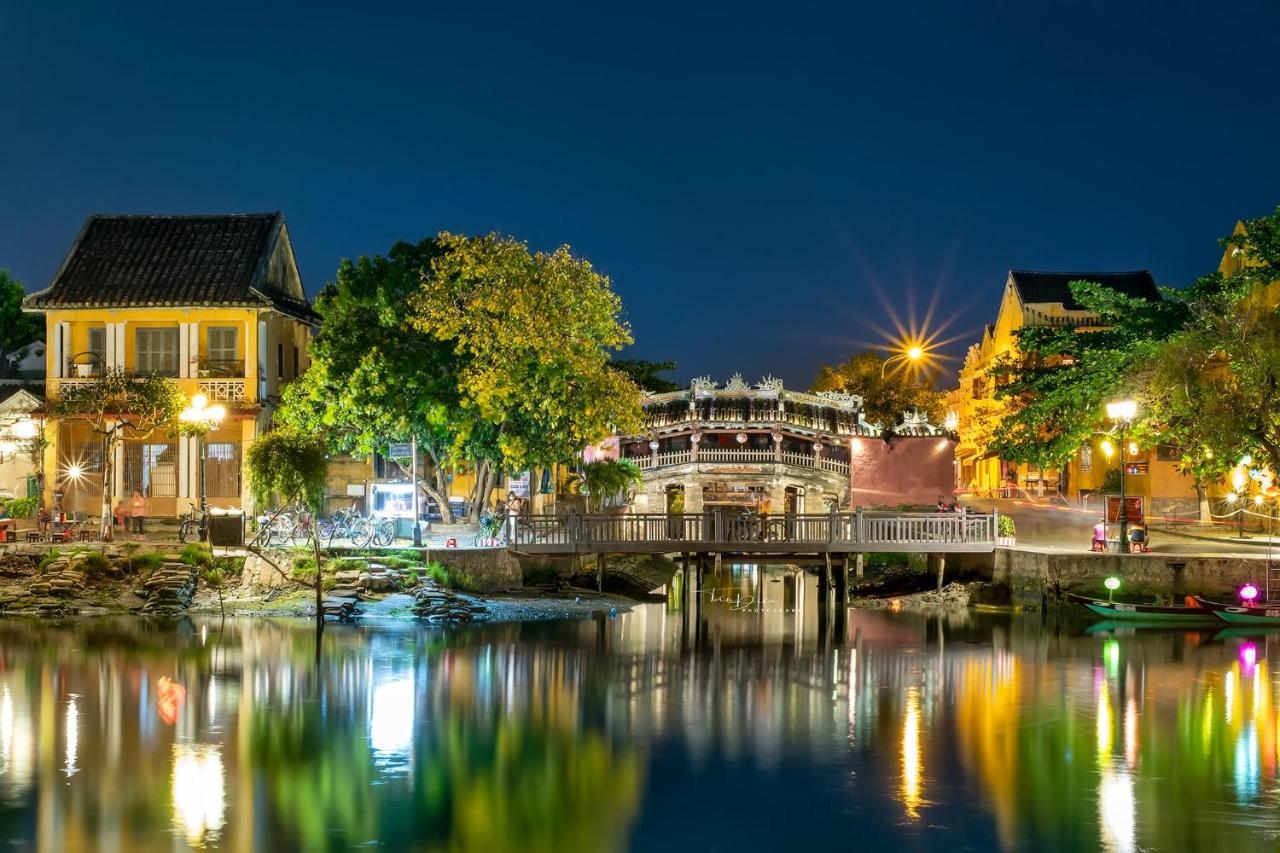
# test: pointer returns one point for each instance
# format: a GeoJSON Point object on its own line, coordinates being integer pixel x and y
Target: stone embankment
{"type": "Point", "coordinates": [168, 590]}
{"type": "Point", "coordinates": [438, 605]}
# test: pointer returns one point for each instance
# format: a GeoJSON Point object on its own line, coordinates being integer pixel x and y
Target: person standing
{"type": "Point", "coordinates": [137, 511]}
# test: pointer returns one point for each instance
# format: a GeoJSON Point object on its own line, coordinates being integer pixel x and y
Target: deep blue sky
{"type": "Point", "coordinates": [746, 174]}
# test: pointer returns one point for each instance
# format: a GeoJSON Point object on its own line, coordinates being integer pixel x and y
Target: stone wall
{"type": "Point", "coordinates": [491, 569]}
{"type": "Point", "coordinates": [1035, 575]}
{"type": "Point", "coordinates": [903, 470]}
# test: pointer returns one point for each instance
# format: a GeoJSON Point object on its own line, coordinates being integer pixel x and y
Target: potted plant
{"type": "Point", "coordinates": [1006, 532]}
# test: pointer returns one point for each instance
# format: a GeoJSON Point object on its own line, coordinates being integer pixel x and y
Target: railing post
{"type": "Point", "coordinates": [995, 525]}
{"type": "Point", "coordinates": [858, 534]}
{"type": "Point", "coordinates": [832, 520]}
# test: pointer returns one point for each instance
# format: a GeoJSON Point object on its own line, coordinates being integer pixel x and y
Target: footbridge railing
{"type": "Point", "coordinates": [730, 530]}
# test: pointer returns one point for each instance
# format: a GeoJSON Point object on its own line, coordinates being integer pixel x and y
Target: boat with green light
{"type": "Point", "coordinates": [1150, 613]}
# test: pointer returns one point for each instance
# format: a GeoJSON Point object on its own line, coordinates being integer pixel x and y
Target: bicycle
{"type": "Point", "coordinates": [384, 532]}
{"type": "Point", "coordinates": [346, 523]}
{"type": "Point", "coordinates": [491, 524]}
{"type": "Point", "coordinates": [193, 526]}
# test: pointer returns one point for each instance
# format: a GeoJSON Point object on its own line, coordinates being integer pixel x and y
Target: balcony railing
{"type": "Point", "coordinates": [221, 368]}
{"type": "Point", "coordinates": [224, 390]}
{"type": "Point", "coordinates": [842, 423]}
{"type": "Point", "coordinates": [734, 455]}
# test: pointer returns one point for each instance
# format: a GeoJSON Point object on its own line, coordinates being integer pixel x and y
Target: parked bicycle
{"type": "Point", "coordinates": [490, 532]}
{"type": "Point", "coordinates": [193, 526]}
{"type": "Point", "coordinates": [347, 524]}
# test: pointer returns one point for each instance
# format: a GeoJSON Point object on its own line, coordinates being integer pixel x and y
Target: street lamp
{"type": "Point", "coordinates": [913, 354]}
{"type": "Point", "coordinates": [1122, 413]}
{"type": "Point", "coordinates": [197, 420]}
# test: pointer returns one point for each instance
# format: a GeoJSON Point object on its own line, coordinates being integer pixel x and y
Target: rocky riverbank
{"type": "Point", "coordinates": [122, 579]}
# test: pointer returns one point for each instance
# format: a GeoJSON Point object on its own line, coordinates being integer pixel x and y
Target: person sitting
{"type": "Point", "coordinates": [6, 521]}
{"type": "Point", "coordinates": [1138, 539]}
{"type": "Point", "coordinates": [1100, 535]}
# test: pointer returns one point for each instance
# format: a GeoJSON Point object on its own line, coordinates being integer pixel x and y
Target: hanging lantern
{"type": "Point", "coordinates": [817, 447]}
{"type": "Point", "coordinates": [742, 438]}
{"type": "Point", "coordinates": [653, 444]}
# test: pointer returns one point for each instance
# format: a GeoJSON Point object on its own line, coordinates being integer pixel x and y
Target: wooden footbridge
{"type": "Point", "coordinates": [710, 536]}
{"type": "Point", "coordinates": [731, 532]}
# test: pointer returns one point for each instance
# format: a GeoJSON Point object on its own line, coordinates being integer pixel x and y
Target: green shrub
{"type": "Point", "coordinates": [411, 576]}
{"type": "Point", "coordinates": [449, 578]}
{"type": "Point", "coordinates": [304, 570]}
{"type": "Point", "coordinates": [146, 561]}
{"type": "Point", "coordinates": [1006, 527]}
{"type": "Point", "coordinates": [346, 564]}
{"type": "Point", "coordinates": [92, 563]}
{"type": "Point", "coordinates": [329, 582]}
{"type": "Point", "coordinates": [196, 554]}
{"type": "Point", "coordinates": [403, 554]}
{"type": "Point", "coordinates": [398, 562]}
{"type": "Point", "coordinates": [22, 507]}
{"type": "Point", "coordinates": [49, 556]}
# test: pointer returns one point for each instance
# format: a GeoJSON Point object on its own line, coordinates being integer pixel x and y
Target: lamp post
{"type": "Point", "coordinates": [197, 420]}
{"type": "Point", "coordinates": [1122, 413]}
{"type": "Point", "coordinates": [912, 353]}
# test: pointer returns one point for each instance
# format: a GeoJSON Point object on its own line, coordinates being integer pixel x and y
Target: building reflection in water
{"type": "Point", "coordinates": [561, 735]}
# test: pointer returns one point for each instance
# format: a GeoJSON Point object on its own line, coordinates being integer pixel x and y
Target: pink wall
{"type": "Point", "coordinates": [905, 470]}
{"type": "Point", "coordinates": [607, 449]}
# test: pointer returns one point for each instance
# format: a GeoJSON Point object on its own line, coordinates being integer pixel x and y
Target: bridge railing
{"type": "Point", "coordinates": [847, 530]}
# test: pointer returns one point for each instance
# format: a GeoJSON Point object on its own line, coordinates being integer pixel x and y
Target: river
{"type": "Point", "coordinates": [747, 722]}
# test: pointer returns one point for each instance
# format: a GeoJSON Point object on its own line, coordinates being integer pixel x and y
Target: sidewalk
{"type": "Point", "coordinates": [1218, 534]}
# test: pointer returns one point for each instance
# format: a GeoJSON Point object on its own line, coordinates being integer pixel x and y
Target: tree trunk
{"type": "Point", "coordinates": [1202, 499]}
{"type": "Point", "coordinates": [106, 530]}
{"type": "Point", "coordinates": [315, 540]}
{"type": "Point", "coordinates": [438, 488]}
{"type": "Point", "coordinates": [480, 497]}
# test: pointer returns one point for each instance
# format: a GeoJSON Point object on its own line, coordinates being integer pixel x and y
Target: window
{"type": "Point", "coordinates": [280, 361]}
{"type": "Point", "coordinates": [98, 348]}
{"type": "Point", "coordinates": [151, 467]}
{"type": "Point", "coordinates": [221, 349]}
{"type": "Point", "coordinates": [157, 352]}
{"type": "Point", "coordinates": [222, 469]}
{"type": "Point", "coordinates": [295, 362]}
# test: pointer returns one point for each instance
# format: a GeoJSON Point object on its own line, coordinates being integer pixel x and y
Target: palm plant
{"type": "Point", "coordinates": [610, 483]}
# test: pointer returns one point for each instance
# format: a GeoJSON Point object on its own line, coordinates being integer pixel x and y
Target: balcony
{"type": "Point", "coordinates": [739, 456]}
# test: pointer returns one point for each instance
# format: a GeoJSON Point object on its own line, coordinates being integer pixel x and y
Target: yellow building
{"type": "Point", "coordinates": [1044, 299]}
{"type": "Point", "coordinates": [216, 303]}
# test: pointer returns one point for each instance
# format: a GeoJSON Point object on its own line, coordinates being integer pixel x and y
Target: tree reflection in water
{"type": "Point", "coordinates": [580, 735]}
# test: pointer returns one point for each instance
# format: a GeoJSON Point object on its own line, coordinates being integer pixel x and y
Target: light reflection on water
{"type": "Point", "coordinates": [736, 721]}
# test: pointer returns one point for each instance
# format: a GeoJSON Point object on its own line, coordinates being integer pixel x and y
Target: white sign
{"type": "Point", "coordinates": [519, 484]}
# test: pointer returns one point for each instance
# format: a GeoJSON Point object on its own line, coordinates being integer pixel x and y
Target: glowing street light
{"type": "Point", "coordinates": [1248, 593]}
{"type": "Point", "coordinates": [1122, 412]}
{"type": "Point", "coordinates": [913, 354]}
{"type": "Point", "coordinates": [198, 419]}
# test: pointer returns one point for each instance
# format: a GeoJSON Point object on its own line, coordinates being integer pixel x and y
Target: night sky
{"type": "Point", "coordinates": [760, 181]}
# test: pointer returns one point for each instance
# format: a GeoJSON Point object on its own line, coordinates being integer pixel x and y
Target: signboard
{"type": "Point", "coordinates": [1137, 468]}
{"type": "Point", "coordinates": [1132, 509]}
{"type": "Point", "coordinates": [400, 449]}
{"type": "Point", "coordinates": [519, 484]}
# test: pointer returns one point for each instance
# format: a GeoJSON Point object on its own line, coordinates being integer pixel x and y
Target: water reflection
{"type": "Point", "coordinates": [686, 725]}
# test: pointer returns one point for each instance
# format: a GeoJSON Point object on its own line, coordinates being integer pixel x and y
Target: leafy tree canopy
{"type": "Point", "coordinates": [1060, 378]}
{"type": "Point", "coordinates": [886, 394]}
{"type": "Point", "coordinates": [530, 337]}
{"type": "Point", "coordinates": [1213, 385]}
{"type": "Point", "coordinates": [646, 374]}
{"type": "Point", "coordinates": [18, 330]}
{"type": "Point", "coordinates": [114, 404]}
{"type": "Point", "coordinates": [288, 464]}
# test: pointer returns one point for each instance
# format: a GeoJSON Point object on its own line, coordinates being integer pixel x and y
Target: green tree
{"type": "Point", "coordinates": [292, 465]}
{"type": "Point", "coordinates": [1060, 378]}
{"type": "Point", "coordinates": [375, 377]}
{"type": "Point", "coordinates": [646, 374]}
{"type": "Point", "coordinates": [530, 337]}
{"type": "Point", "coordinates": [886, 394]}
{"type": "Point", "coordinates": [18, 330]}
{"type": "Point", "coordinates": [1226, 360]}
{"type": "Point", "coordinates": [610, 482]}
{"type": "Point", "coordinates": [114, 405]}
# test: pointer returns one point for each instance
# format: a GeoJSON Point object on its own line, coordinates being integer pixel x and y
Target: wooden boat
{"type": "Point", "coordinates": [1144, 612]}
{"type": "Point", "coordinates": [1267, 613]}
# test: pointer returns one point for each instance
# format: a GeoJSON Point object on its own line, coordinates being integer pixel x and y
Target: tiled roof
{"type": "Point", "coordinates": [1053, 286]}
{"type": "Point", "coordinates": [145, 261]}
